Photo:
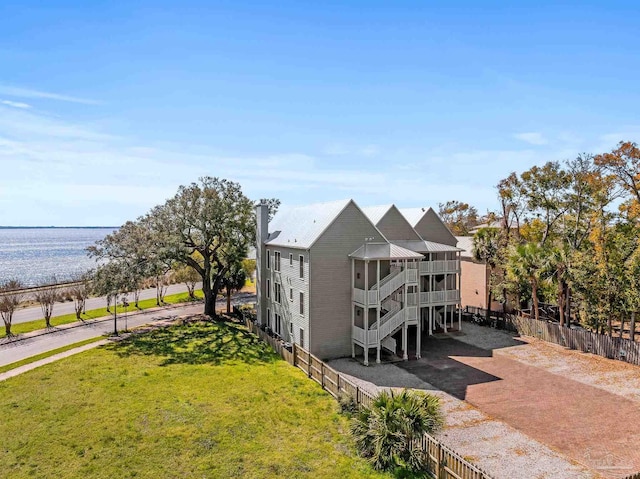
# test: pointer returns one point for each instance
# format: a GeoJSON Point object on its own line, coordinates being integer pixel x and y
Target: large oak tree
{"type": "Point", "coordinates": [208, 226]}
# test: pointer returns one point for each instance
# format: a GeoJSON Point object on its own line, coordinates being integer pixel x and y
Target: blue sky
{"type": "Point", "coordinates": [107, 107]}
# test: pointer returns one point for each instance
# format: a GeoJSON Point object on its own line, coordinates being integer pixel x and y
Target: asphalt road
{"type": "Point", "coordinates": [33, 313]}
{"type": "Point", "coordinates": [12, 351]}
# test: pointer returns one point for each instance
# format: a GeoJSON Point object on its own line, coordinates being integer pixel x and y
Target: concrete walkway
{"type": "Point", "coordinates": [41, 362]}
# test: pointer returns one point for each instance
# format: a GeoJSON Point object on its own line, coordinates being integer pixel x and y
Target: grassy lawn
{"type": "Point", "coordinates": [96, 313]}
{"type": "Point", "coordinates": [40, 356]}
{"type": "Point", "coordinates": [201, 400]}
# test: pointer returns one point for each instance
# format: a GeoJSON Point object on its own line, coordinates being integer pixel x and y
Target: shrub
{"type": "Point", "coordinates": [347, 404]}
{"type": "Point", "coordinates": [386, 432]}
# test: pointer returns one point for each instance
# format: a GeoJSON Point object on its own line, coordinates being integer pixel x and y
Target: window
{"type": "Point", "coordinates": [301, 266]}
{"type": "Point", "coordinates": [277, 295]}
{"type": "Point", "coordinates": [268, 259]}
{"type": "Point", "coordinates": [290, 294]}
{"type": "Point", "coordinates": [301, 338]}
{"type": "Point", "coordinates": [278, 325]}
{"type": "Point", "coordinates": [290, 259]}
{"type": "Point", "coordinates": [291, 330]}
{"type": "Point", "coordinates": [268, 317]}
{"type": "Point", "coordinates": [276, 260]}
{"type": "Point", "coordinates": [268, 288]}
{"type": "Point", "coordinates": [301, 303]}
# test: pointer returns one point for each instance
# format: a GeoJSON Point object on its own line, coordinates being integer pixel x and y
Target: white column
{"type": "Point", "coordinates": [378, 317]}
{"type": "Point", "coordinates": [405, 356]}
{"type": "Point", "coordinates": [445, 314]}
{"type": "Point", "coordinates": [353, 314]}
{"type": "Point", "coordinates": [430, 320]}
{"type": "Point", "coordinates": [459, 317]}
{"type": "Point", "coordinates": [366, 312]}
{"type": "Point", "coordinates": [419, 339]}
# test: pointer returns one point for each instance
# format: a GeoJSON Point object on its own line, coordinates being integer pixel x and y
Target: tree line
{"type": "Point", "coordinates": [568, 233]}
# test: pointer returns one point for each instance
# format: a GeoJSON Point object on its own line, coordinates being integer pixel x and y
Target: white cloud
{"type": "Point", "coordinates": [29, 93]}
{"type": "Point", "coordinates": [533, 138]}
{"type": "Point", "coordinates": [56, 171]}
{"type": "Point", "coordinates": [15, 104]}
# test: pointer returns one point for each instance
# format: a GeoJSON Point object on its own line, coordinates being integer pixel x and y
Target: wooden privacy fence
{"type": "Point", "coordinates": [580, 339]}
{"type": "Point", "coordinates": [443, 462]}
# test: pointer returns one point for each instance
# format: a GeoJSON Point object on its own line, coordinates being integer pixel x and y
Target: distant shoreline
{"type": "Point", "coordinates": [58, 227]}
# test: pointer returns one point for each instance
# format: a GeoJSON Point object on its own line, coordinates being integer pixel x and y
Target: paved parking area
{"type": "Point", "coordinates": [520, 407]}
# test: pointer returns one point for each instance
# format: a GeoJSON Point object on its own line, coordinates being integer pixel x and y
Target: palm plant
{"type": "Point", "coordinates": [558, 270]}
{"type": "Point", "coordinates": [527, 262]}
{"type": "Point", "coordinates": [386, 432]}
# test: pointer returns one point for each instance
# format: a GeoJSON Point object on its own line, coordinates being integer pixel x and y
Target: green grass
{"type": "Point", "coordinates": [37, 357]}
{"type": "Point", "coordinates": [205, 400]}
{"type": "Point", "coordinates": [30, 326]}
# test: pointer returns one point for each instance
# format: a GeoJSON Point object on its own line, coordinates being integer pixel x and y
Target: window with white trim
{"type": "Point", "coordinates": [290, 294]}
{"type": "Point", "coordinates": [268, 259]}
{"type": "Point", "coordinates": [290, 259]}
{"type": "Point", "coordinates": [278, 325]}
{"type": "Point", "coordinates": [301, 338]}
{"type": "Point", "coordinates": [268, 317]}
{"type": "Point", "coordinates": [268, 288]}
{"type": "Point", "coordinates": [276, 260]}
{"type": "Point", "coordinates": [301, 303]}
{"type": "Point", "coordinates": [277, 294]}
{"type": "Point", "coordinates": [301, 266]}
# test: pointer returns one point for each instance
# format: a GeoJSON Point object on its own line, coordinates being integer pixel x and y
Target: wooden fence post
{"type": "Point", "coordinates": [322, 375]}
{"type": "Point", "coordinates": [293, 352]}
{"type": "Point", "coordinates": [438, 470]}
{"type": "Point", "coordinates": [357, 394]}
{"type": "Point", "coordinates": [308, 364]}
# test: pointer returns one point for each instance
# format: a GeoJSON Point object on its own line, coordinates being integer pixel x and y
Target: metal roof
{"type": "Point", "coordinates": [376, 213]}
{"type": "Point", "coordinates": [300, 227]}
{"type": "Point", "coordinates": [383, 251]}
{"type": "Point", "coordinates": [413, 215]}
{"type": "Point", "coordinates": [466, 244]}
{"type": "Point", "coordinates": [427, 246]}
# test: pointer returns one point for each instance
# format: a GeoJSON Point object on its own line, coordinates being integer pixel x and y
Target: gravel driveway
{"type": "Point", "coordinates": [522, 408]}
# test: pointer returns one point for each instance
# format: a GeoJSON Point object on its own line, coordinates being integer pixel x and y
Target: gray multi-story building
{"type": "Point", "coordinates": [339, 280]}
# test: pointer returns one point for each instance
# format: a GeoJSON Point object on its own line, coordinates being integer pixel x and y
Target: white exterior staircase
{"type": "Point", "coordinates": [390, 295]}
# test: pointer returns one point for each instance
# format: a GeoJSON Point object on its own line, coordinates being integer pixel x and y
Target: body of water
{"type": "Point", "coordinates": [34, 255]}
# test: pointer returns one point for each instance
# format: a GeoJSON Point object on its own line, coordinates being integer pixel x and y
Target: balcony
{"type": "Point", "coordinates": [440, 266]}
{"type": "Point", "coordinates": [439, 297]}
{"type": "Point", "coordinates": [359, 296]}
{"type": "Point", "coordinates": [387, 286]}
{"type": "Point", "coordinates": [359, 335]}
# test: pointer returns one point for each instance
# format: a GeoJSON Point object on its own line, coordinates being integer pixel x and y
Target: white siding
{"type": "Point", "coordinates": [330, 282]}
{"type": "Point", "coordinates": [395, 227]}
{"type": "Point", "coordinates": [431, 228]}
{"type": "Point", "coordinates": [289, 278]}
